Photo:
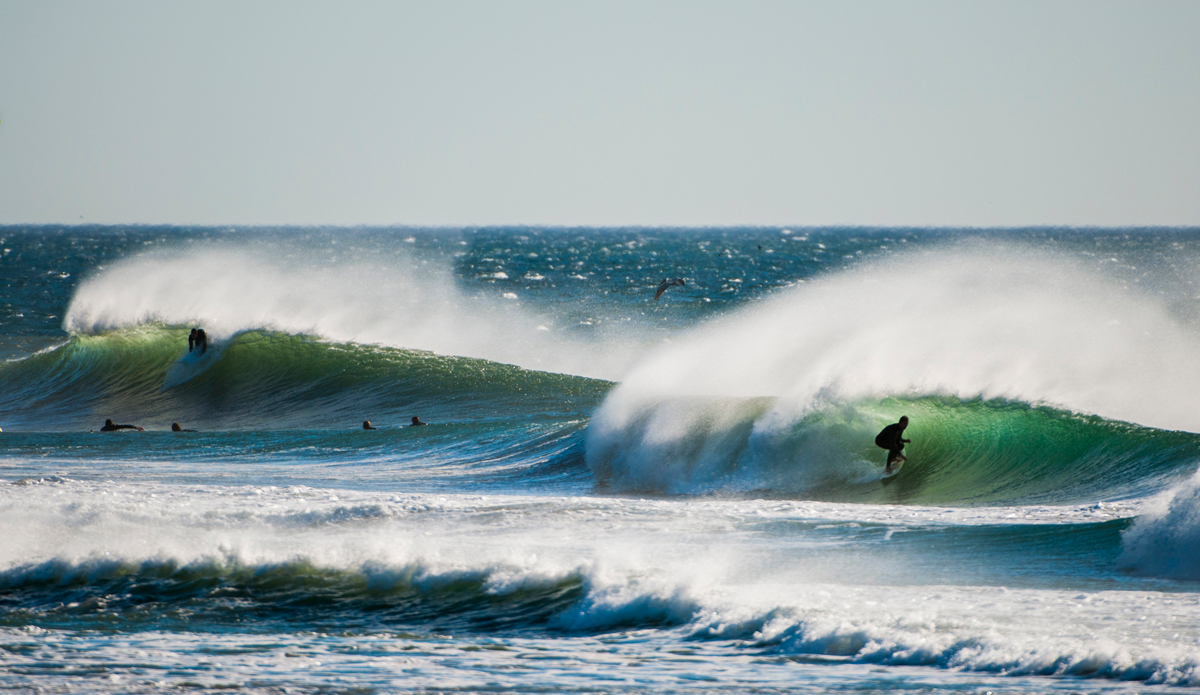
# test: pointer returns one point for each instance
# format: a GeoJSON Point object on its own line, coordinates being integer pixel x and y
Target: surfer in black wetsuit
{"type": "Point", "coordinates": [176, 427]}
{"type": "Point", "coordinates": [367, 425]}
{"type": "Point", "coordinates": [110, 427]}
{"type": "Point", "coordinates": [892, 439]}
{"type": "Point", "coordinates": [192, 340]}
{"type": "Point", "coordinates": [201, 340]}
{"type": "Point", "coordinates": [416, 421]}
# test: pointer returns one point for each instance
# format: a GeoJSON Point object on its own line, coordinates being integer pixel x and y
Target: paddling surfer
{"type": "Point", "coordinates": [109, 426]}
{"type": "Point", "coordinates": [416, 422]}
{"type": "Point", "coordinates": [892, 439]}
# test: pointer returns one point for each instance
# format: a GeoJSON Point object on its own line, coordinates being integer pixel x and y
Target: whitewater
{"type": "Point", "coordinates": [613, 494]}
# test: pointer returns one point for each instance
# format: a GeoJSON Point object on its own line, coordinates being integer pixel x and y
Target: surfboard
{"type": "Point", "coordinates": [886, 478]}
{"type": "Point", "coordinates": [191, 365]}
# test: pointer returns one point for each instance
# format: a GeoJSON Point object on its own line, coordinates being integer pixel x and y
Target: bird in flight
{"type": "Point", "coordinates": [662, 287]}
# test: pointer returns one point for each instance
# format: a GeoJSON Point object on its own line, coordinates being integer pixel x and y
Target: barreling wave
{"type": "Point", "coordinates": [963, 452]}
{"type": "Point", "coordinates": [1021, 374]}
{"type": "Point", "coordinates": [261, 379]}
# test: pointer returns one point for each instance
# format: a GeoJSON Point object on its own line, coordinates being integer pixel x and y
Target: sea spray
{"type": "Point", "coordinates": [397, 301]}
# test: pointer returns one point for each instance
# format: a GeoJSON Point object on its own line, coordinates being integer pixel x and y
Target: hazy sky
{"type": "Point", "coordinates": [600, 113]}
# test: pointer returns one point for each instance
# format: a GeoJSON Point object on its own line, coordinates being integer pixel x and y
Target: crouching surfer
{"type": "Point", "coordinates": [892, 439]}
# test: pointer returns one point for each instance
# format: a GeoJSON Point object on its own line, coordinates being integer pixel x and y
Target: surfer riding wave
{"type": "Point", "coordinates": [892, 439]}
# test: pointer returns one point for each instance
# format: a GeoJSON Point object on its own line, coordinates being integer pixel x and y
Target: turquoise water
{"type": "Point", "coordinates": [613, 494]}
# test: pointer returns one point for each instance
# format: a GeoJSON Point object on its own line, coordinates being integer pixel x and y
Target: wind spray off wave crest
{"type": "Point", "coordinates": [395, 300]}
{"type": "Point", "coordinates": [721, 407]}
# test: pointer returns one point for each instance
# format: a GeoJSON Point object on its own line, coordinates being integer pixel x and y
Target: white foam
{"type": "Point", "coordinates": [1165, 540]}
{"type": "Point", "coordinates": [701, 567]}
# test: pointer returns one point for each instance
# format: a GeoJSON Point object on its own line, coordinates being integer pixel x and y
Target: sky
{"type": "Point", "coordinates": [691, 113]}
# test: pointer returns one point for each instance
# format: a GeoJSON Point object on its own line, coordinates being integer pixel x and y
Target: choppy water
{"type": "Point", "coordinates": [612, 494]}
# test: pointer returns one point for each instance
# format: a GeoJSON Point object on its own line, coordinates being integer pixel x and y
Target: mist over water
{"type": "Point", "coordinates": [613, 494]}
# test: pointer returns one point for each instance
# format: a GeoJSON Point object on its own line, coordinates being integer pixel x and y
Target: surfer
{"type": "Point", "coordinates": [176, 427]}
{"type": "Point", "coordinates": [665, 284]}
{"type": "Point", "coordinates": [367, 425]}
{"type": "Point", "coordinates": [892, 439]}
{"type": "Point", "coordinates": [201, 340]}
{"type": "Point", "coordinates": [416, 422]}
{"type": "Point", "coordinates": [192, 340]}
{"type": "Point", "coordinates": [110, 427]}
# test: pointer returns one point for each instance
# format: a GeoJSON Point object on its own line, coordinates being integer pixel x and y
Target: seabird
{"type": "Point", "coordinates": [667, 283]}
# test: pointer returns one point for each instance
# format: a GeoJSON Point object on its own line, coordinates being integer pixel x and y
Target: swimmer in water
{"type": "Point", "coordinates": [110, 427]}
{"type": "Point", "coordinates": [176, 427]}
{"type": "Point", "coordinates": [416, 421]}
{"type": "Point", "coordinates": [367, 425]}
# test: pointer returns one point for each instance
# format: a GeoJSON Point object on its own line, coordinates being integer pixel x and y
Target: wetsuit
{"type": "Point", "coordinates": [892, 439]}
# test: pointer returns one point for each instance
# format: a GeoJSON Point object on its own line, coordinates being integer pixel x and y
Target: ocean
{"type": "Point", "coordinates": [612, 494]}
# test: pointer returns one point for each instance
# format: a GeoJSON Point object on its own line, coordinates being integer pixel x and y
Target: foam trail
{"type": "Point", "coordinates": [975, 321]}
{"type": "Point", "coordinates": [399, 302]}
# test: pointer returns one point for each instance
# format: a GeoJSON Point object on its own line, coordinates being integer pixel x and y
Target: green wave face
{"type": "Point", "coordinates": [984, 452]}
{"type": "Point", "coordinates": [971, 452]}
{"type": "Point", "coordinates": [271, 380]}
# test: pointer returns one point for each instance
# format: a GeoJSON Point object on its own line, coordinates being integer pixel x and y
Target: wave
{"type": "Point", "coordinates": [259, 379]}
{"type": "Point", "coordinates": [821, 635]}
{"type": "Point", "coordinates": [223, 592]}
{"type": "Point", "coordinates": [1006, 632]}
{"type": "Point", "coordinates": [1020, 370]}
{"type": "Point", "coordinates": [962, 452]}
{"type": "Point", "coordinates": [384, 296]}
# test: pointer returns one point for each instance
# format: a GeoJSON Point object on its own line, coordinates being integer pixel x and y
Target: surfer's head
{"type": "Point", "coordinates": [903, 421]}
{"type": "Point", "coordinates": [367, 425]}
{"type": "Point", "coordinates": [176, 427]}
{"type": "Point", "coordinates": [417, 421]}
{"type": "Point", "coordinates": [108, 423]}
